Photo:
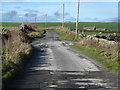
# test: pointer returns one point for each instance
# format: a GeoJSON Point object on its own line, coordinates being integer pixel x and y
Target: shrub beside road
{"type": "Point", "coordinates": [16, 51]}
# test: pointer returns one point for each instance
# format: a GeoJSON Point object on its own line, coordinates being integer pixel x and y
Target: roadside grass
{"type": "Point", "coordinates": [64, 34]}
{"type": "Point", "coordinates": [108, 62]}
{"type": "Point", "coordinates": [16, 52]}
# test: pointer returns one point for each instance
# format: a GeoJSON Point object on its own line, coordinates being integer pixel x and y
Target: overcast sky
{"type": "Point", "coordinates": [89, 11]}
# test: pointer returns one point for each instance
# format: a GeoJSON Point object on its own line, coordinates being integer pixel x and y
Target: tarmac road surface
{"type": "Point", "coordinates": [55, 66]}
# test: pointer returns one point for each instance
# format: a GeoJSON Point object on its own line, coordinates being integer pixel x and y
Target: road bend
{"type": "Point", "coordinates": [55, 66]}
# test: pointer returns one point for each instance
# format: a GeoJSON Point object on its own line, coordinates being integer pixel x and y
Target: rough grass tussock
{"type": "Point", "coordinates": [16, 50]}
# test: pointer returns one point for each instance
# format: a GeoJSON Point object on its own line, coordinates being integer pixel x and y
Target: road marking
{"type": "Point", "coordinates": [62, 81]}
{"type": "Point", "coordinates": [89, 79]}
{"type": "Point", "coordinates": [75, 73]}
{"type": "Point", "coordinates": [53, 86]}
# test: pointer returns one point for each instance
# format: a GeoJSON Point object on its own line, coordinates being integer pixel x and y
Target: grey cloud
{"type": "Point", "coordinates": [91, 19]}
{"type": "Point", "coordinates": [101, 20]}
{"type": "Point", "coordinates": [71, 19]}
{"type": "Point", "coordinates": [16, 0]}
{"type": "Point", "coordinates": [50, 18]}
{"type": "Point", "coordinates": [58, 14]}
{"type": "Point", "coordinates": [26, 15]}
{"type": "Point", "coordinates": [67, 14]}
{"type": "Point", "coordinates": [109, 20]}
{"type": "Point", "coordinates": [113, 19]}
{"type": "Point", "coordinates": [11, 14]}
{"type": "Point", "coordinates": [17, 7]}
{"type": "Point", "coordinates": [55, 18]}
{"type": "Point", "coordinates": [31, 11]}
{"type": "Point", "coordinates": [30, 15]}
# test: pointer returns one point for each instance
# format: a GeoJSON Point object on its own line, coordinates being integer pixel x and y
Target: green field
{"type": "Point", "coordinates": [9, 25]}
{"type": "Point", "coordinates": [109, 26]}
{"type": "Point", "coordinates": [71, 25]}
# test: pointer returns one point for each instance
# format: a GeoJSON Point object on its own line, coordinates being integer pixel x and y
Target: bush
{"type": "Point", "coordinates": [16, 51]}
{"type": "Point", "coordinates": [35, 34]}
{"type": "Point", "coordinates": [13, 54]}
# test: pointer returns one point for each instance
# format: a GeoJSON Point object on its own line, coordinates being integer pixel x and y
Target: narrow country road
{"type": "Point", "coordinates": [55, 66]}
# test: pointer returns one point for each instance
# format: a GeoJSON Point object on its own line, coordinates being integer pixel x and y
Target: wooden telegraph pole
{"type": "Point", "coordinates": [46, 20]}
{"type": "Point", "coordinates": [35, 19]}
{"type": "Point", "coordinates": [63, 17]}
{"type": "Point", "coordinates": [77, 19]}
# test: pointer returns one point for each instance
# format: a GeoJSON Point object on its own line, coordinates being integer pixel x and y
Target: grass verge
{"type": "Point", "coordinates": [65, 34]}
{"type": "Point", "coordinates": [16, 52]}
{"type": "Point", "coordinates": [108, 63]}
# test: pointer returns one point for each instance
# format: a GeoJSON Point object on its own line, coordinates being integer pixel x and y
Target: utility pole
{"type": "Point", "coordinates": [35, 19]}
{"type": "Point", "coordinates": [45, 20]}
{"type": "Point", "coordinates": [77, 19]}
{"type": "Point", "coordinates": [26, 20]}
{"type": "Point", "coordinates": [63, 17]}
